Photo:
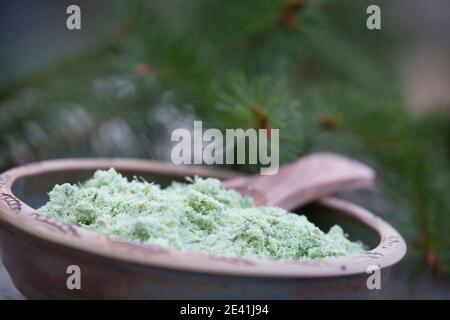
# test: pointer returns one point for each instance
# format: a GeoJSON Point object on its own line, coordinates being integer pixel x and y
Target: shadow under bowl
{"type": "Point", "coordinates": [37, 250]}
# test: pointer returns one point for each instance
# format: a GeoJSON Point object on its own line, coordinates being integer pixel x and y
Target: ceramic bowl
{"type": "Point", "coordinates": [37, 250]}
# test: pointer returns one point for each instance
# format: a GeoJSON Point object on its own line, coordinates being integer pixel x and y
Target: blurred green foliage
{"type": "Point", "coordinates": [309, 68]}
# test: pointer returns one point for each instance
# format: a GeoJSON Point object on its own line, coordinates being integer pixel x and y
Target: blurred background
{"type": "Point", "coordinates": [139, 69]}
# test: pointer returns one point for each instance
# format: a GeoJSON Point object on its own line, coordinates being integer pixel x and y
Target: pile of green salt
{"type": "Point", "coordinates": [199, 216]}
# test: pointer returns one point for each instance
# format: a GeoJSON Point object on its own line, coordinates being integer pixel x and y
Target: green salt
{"type": "Point", "coordinates": [198, 216]}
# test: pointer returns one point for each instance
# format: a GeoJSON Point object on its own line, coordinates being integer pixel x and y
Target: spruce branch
{"type": "Point", "coordinates": [289, 68]}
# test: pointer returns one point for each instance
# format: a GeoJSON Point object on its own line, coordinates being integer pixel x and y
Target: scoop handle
{"type": "Point", "coordinates": [309, 178]}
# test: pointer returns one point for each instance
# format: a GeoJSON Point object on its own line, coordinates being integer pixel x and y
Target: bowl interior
{"type": "Point", "coordinates": [33, 191]}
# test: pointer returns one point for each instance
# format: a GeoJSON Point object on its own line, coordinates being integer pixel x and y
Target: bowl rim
{"type": "Point", "coordinates": [18, 214]}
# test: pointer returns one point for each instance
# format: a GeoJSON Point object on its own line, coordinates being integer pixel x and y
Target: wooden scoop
{"type": "Point", "coordinates": [309, 178]}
